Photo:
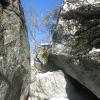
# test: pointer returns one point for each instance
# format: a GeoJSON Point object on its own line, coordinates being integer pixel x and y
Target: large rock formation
{"type": "Point", "coordinates": [49, 83]}
{"type": "Point", "coordinates": [76, 47]}
{"type": "Point", "coordinates": [14, 52]}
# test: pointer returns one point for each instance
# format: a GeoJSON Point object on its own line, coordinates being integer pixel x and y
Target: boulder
{"type": "Point", "coordinates": [48, 85]}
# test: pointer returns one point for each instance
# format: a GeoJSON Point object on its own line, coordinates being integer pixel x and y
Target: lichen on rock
{"type": "Point", "coordinates": [14, 51]}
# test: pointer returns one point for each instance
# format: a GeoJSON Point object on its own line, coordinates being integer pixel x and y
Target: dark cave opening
{"type": "Point", "coordinates": [80, 90]}
{"type": "Point", "coordinates": [4, 3]}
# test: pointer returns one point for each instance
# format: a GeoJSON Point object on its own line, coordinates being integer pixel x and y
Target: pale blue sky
{"type": "Point", "coordinates": [40, 8]}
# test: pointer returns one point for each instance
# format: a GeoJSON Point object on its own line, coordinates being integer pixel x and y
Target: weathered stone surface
{"type": "Point", "coordinates": [14, 51]}
{"type": "Point", "coordinates": [48, 85]}
{"type": "Point", "coordinates": [77, 34]}
{"type": "Point", "coordinates": [55, 85]}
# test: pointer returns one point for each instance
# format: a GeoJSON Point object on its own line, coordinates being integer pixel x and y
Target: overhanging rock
{"type": "Point", "coordinates": [84, 70]}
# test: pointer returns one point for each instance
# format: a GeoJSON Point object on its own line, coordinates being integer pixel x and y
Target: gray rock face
{"type": "Point", "coordinates": [48, 85]}
{"type": "Point", "coordinates": [14, 52]}
{"type": "Point", "coordinates": [77, 50]}
{"type": "Point", "coordinates": [78, 27]}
